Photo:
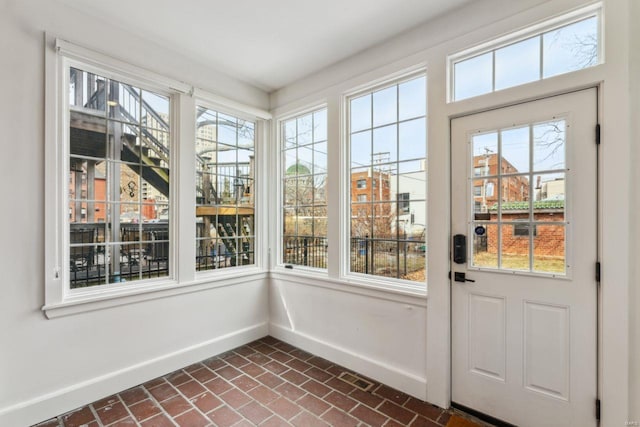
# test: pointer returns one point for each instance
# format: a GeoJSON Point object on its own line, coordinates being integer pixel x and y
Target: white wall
{"type": "Point", "coordinates": [378, 335]}
{"type": "Point", "coordinates": [429, 44]}
{"type": "Point", "coordinates": [51, 366]}
{"type": "Point", "coordinates": [634, 312]}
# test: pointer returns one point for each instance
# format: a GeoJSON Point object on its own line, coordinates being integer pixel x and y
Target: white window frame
{"type": "Point", "coordinates": [593, 10]}
{"type": "Point", "coordinates": [60, 300]}
{"type": "Point", "coordinates": [257, 117]}
{"type": "Point", "coordinates": [361, 279]}
{"type": "Point", "coordinates": [279, 202]}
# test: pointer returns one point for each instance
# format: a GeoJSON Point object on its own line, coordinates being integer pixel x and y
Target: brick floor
{"type": "Point", "coordinates": [266, 383]}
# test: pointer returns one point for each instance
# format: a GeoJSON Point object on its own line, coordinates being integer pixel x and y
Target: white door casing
{"type": "Point", "coordinates": [524, 192]}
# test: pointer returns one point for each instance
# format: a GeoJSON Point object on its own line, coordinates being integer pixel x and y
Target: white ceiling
{"type": "Point", "coordinates": [267, 43]}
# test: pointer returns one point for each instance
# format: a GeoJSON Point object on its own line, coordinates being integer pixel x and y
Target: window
{"type": "Point", "coordinates": [489, 189]}
{"type": "Point", "coordinates": [118, 218]}
{"type": "Point", "coordinates": [362, 197]}
{"type": "Point", "coordinates": [119, 141]}
{"type": "Point", "coordinates": [304, 189]}
{"type": "Point", "coordinates": [477, 190]}
{"type": "Point", "coordinates": [387, 142]}
{"type": "Point", "coordinates": [225, 190]}
{"type": "Point", "coordinates": [523, 226]}
{"type": "Point", "coordinates": [522, 230]}
{"type": "Point", "coordinates": [562, 45]}
{"type": "Point", "coordinates": [403, 203]}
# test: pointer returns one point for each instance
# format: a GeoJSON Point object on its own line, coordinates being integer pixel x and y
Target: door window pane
{"type": "Point", "coordinates": [512, 204]}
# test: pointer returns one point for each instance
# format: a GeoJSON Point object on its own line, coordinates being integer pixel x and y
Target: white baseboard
{"type": "Point", "coordinates": [379, 371]}
{"type": "Point", "coordinates": [60, 401]}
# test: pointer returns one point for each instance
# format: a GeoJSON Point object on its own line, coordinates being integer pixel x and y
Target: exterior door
{"type": "Point", "coordinates": [524, 321]}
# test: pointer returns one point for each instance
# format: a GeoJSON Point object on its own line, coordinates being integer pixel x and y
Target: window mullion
{"type": "Point", "coordinates": [181, 217]}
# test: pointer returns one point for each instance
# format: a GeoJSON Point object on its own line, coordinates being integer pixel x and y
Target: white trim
{"type": "Point", "coordinates": [387, 374]}
{"type": "Point", "coordinates": [383, 291]}
{"type": "Point", "coordinates": [108, 64]}
{"type": "Point", "coordinates": [148, 291]}
{"type": "Point", "coordinates": [239, 109]}
{"type": "Point", "coordinates": [41, 407]}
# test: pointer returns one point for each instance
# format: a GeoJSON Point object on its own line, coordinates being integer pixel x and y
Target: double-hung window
{"type": "Point", "coordinates": [388, 158]}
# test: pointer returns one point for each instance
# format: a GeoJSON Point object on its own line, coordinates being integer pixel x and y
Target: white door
{"type": "Point", "coordinates": [524, 328]}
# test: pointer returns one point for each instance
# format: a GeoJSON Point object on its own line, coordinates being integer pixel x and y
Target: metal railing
{"type": "Point", "coordinates": [307, 251]}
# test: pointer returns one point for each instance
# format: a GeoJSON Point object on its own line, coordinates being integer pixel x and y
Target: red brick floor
{"type": "Point", "coordinates": [265, 383]}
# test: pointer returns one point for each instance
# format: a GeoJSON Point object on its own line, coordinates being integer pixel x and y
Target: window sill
{"type": "Point", "coordinates": [98, 299]}
{"type": "Point", "coordinates": [373, 288]}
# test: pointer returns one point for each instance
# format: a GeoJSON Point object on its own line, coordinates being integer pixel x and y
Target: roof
{"type": "Point", "coordinates": [523, 206]}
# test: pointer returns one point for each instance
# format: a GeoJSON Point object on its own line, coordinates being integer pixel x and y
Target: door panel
{"type": "Point", "coordinates": [524, 330]}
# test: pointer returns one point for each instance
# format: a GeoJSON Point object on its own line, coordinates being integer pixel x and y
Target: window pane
{"type": "Point", "coordinates": [87, 91]}
{"type": "Point", "coordinates": [385, 106]}
{"type": "Point", "coordinates": [571, 48]}
{"type": "Point", "coordinates": [361, 144]}
{"type": "Point", "coordinates": [549, 249]}
{"type": "Point", "coordinates": [320, 126]}
{"type": "Point", "coordinates": [485, 245]}
{"type": "Point", "coordinates": [550, 196]}
{"type": "Point", "coordinates": [412, 98]}
{"type": "Point", "coordinates": [518, 63]}
{"type": "Point", "coordinates": [514, 196]}
{"type": "Point", "coordinates": [413, 139]}
{"type": "Point", "coordinates": [515, 150]}
{"type": "Point", "coordinates": [549, 145]}
{"type": "Point", "coordinates": [514, 248]}
{"type": "Point", "coordinates": [305, 129]}
{"type": "Point", "coordinates": [485, 154]}
{"type": "Point", "coordinates": [473, 76]}
{"type": "Point", "coordinates": [360, 114]}
{"type": "Point", "coordinates": [385, 144]}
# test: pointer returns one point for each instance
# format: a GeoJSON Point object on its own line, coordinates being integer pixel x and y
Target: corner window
{"type": "Point", "coordinates": [119, 142]}
{"type": "Point", "coordinates": [388, 147]}
{"type": "Point", "coordinates": [225, 190]}
{"type": "Point", "coordinates": [304, 189]}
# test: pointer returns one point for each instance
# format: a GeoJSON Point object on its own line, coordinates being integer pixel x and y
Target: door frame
{"type": "Point", "coordinates": [598, 231]}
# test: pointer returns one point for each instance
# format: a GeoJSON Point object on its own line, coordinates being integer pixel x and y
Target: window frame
{"type": "Point", "coordinates": [210, 102]}
{"type": "Point", "coordinates": [59, 300]}
{"type": "Point", "coordinates": [278, 151]}
{"type": "Point", "coordinates": [537, 29]}
{"type": "Point", "coordinates": [361, 279]}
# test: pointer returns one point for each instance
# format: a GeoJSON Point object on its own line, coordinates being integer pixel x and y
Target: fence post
{"type": "Point", "coordinates": [305, 251]}
{"type": "Point", "coordinates": [366, 254]}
